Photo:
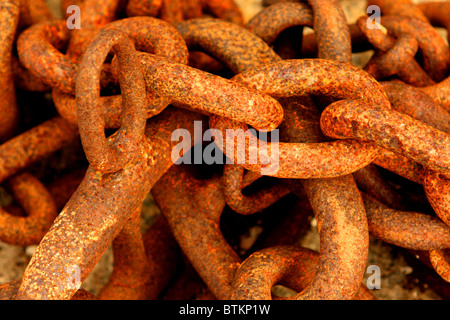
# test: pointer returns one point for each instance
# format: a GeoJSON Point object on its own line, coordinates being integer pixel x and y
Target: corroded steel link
{"type": "Point", "coordinates": [151, 68]}
{"type": "Point", "coordinates": [440, 260]}
{"type": "Point", "coordinates": [38, 205]}
{"type": "Point", "coordinates": [9, 19]}
{"type": "Point", "coordinates": [371, 181]}
{"type": "Point", "coordinates": [437, 189]}
{"type": "Point", "coordinates": [66, 3]}
{"type": "Point", "coordinates": [174, 11]}
{"type": "Point", "coordinates": [195, 226]}
{"type": "Point", "coordinates": [400, 227]}
{"type": "Point", "coordinates": [211, 94]}
{"type": "Point", "coordinates": [8, 291]}
{"type": "Point", "coordinates": [30, 146]}
{"type": "Point", "coordinates": [340, 189]}
{"type": "Point", "coordinates": [25, 79]}
{"type": "Point", "coordinates": [234, 46]}
{"type": "Point", "coordinates": [296, 77]}
{"type": "Point", "coordinates": [440, 92]}
{"type": "Point", "coordinates": [171, 11]}
{"type": "Point", "coordinates": [97, 211]}
{"type": "Point", "coordinates": [150, 161]}
{"type": "Point", "coordinates": [332, 270]}
{"type": "Point", "coordinates": [62, 188]}
{"type": "Point", "coordinates": [288, 21]}
{"type": "Point", "coordinates": [332, 33]}
{"type": "Point", "coordinates": [111, 107]}
{"type": "Point", "coordinates": [284, 15]}
{"type": "Point", "coordinates": [180, 92]}
{"type": "Point", "coordinates": [380, 38]}
{"type": "Point", "coordinates": [331, 200]}
{"type": "Point", "coordinates": [293, 13]}
{"type": "Point", "coordinates": [437, 14]}
{"type": "Point", "coordinates": [340, 214]}
{"type": "Point", "coordinates": [153, 35]}
{"type": "Point", "coordinates": [131, 269]}
{"type": "Point", "coordinates": [436, 53]}
{"type": "Point", "coordinates": [359, 42]}
{"type": "Point", "coordinates": [248, 204]}
{"type": "Point", "coordinates": [389, 129]}
{"type": "Point", "coordinates": [411, 55]}
{"type": "Point", "coordinates": [162, 40]}
{"type": "Point", "coordinates": [398, 8]}
{"type": "Point", "coordinates": [103, 156]}
{"type": "Point", "coordinates": [417, 104]}
{"type": "Point", "coordinates": [306, 116]}
{"type": "Point", "coordinates": [163, 256]}
{"type": "Point", "coordinates": [39, 51]}
{"type": "Point", "coordinates": [400, 165]}
{"type": "Point", "coordinates": [296, 160]}
{"type": "Point", "coordinates": [225, 42]}
{"type": "Point", "coordinates": [306, 77]}
{"type": "Point", "coordinates": [223, 9]}
{"type": "Point", "coordinates": [96, 14]}
{"type": "Point", "coordinates": [303, 114]}
{"type": "Point", "coordinates": [292, 266]}
{"type": "Point", "coordinates": [143, 8]}
{"type": "Point", "coordinates": [394, 56]}
{"type": "Point", "coordinates": [32, 12]}
{"type": "Point", "coordinates": [332, 215]}
{"type": "Point", "coordinates": [190, 286]}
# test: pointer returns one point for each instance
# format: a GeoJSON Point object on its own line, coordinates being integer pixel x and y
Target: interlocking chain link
{"type": "Point", "coordinates": [354, 144]}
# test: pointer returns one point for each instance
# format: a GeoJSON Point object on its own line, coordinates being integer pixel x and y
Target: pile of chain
{"type": "Point", "coordinates": [365, 151]}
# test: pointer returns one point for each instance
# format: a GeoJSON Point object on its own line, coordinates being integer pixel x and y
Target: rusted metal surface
{"type": "Point", "coordinates": [436, 13]}
{"type": "Point", "coordinates": [400, 8]}
{"type": "Point", "coordinates": [34, 144]}
{"type": "Point", "coordinates": [418, 105]}
{"type": "Point", "coordinates": [400, 227]}
{"type": "Point", "coordinates": [291, 266]}
{"type": "Point", "coordinates": [372, 123]}
{"type": "Point", "coordinates": [396, 52]}
{"type": "Point", "coordinates": [9, 19]}
{"type": "Point", "coordinates": [353, 142]}
{"type": "Point", "coordinates": [40, 210]}
{"type": "Point", "coordinates": [175, 11]}
{"type": "Point", "coordinates": [101, 155]}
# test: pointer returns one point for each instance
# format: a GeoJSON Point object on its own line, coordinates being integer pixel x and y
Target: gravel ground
{"type": "Point", "coordinates": [398, 278]}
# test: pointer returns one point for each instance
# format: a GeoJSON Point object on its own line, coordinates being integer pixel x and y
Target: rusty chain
{"type": "Point", "coordinates": [354, 145]}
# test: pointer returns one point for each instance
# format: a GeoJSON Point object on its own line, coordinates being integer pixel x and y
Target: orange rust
{"type": "Point", "coordinates": [150, 68]}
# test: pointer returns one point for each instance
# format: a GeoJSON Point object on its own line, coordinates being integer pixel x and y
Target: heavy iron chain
{"type": "Point", "coordinates": [353, 142]}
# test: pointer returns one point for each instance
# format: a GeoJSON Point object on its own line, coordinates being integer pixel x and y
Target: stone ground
{"type": "Point", "coordinates": [398, 280]}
